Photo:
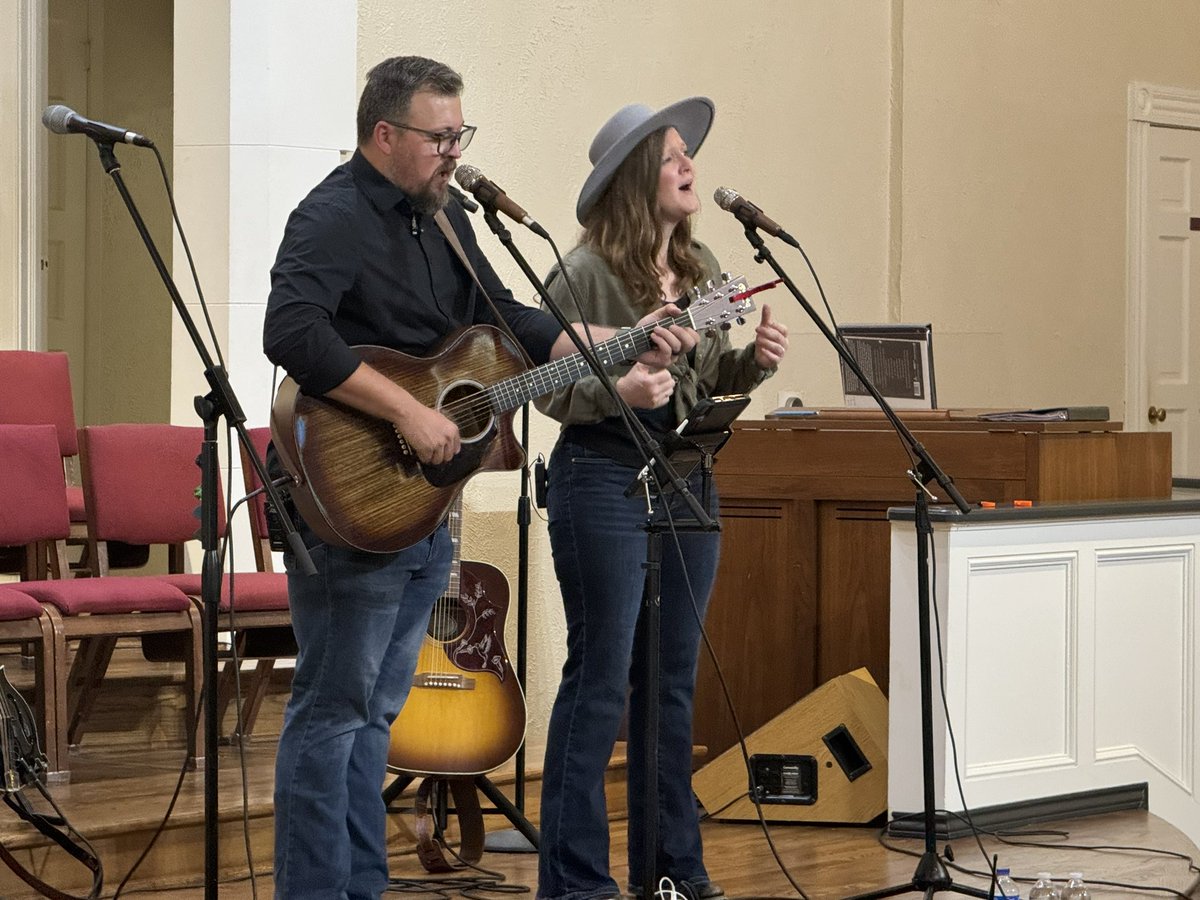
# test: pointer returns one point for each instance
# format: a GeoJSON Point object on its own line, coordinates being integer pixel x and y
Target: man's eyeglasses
{"type": "Point", "coordinates": [445, 140]}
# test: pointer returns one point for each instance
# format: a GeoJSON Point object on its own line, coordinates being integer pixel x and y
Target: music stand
{"type": "Point", "coordinates": [694, 443]}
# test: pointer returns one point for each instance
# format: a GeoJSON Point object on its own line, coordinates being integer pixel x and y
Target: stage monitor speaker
{"type": "Point", "coordinates": [823, 759]}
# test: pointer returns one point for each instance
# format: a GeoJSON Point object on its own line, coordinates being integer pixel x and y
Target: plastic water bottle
{"type": "Point", "coordinates": [1044, 889]}
{"type": "Point", "coordinates": [1006, 888]}
{"type": "Point", "coordinates": [1076, 889]}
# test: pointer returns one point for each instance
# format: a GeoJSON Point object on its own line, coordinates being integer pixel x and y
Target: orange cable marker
{"type": "Point", "coordinates": [1022, 503]}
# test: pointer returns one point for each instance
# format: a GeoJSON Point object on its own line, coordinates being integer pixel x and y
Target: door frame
{"type": "Point", "coordinates": [23, 176]}
{"type": "Point", "coordinates": [1149, 105]}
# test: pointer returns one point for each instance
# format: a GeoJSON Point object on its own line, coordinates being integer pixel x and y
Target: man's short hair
{"type": "Point", "coordinates": [390, 87]}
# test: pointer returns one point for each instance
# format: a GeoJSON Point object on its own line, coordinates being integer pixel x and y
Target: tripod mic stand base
{"type": "Point", "coordinates": [931, 877]}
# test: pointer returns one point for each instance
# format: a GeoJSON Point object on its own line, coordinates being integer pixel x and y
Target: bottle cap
{"type": "Point", "coordinates": [1000, 872]}
{"type": "Point", "coordinates": [1045, 875]}
{"type": "Point", "coordinates": [1075, 874]}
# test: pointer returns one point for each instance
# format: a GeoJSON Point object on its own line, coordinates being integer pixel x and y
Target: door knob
{"type": "Point", "coordinates": [1156, 414]}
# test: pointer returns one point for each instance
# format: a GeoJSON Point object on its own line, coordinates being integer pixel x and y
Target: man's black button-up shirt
{"type": "Point", "coordinates": [358, 266]}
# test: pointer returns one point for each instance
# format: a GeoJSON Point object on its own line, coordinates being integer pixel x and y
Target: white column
{"type": "Point", "coordinates": [265, 96]}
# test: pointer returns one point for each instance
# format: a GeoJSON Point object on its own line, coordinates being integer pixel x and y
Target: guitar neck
{"type": "Point", "coordinates": [621, 348]}
{"type": "Point", "coordinates": [454, 518]}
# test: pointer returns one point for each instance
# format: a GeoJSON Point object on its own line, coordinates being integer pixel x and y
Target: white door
{"type": "Point", "coordinates": [66, 191]}
{"type": "Point", "coordinates": [1171, 244]}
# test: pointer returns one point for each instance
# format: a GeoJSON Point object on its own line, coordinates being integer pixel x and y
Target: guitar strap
{"type": "Point", "coordinates": [24, 764]}
{"type": "Point", "coordinates": [448, 230]}
{"type": "Point", "coordinates": [470, 824]}
{"type": "Point", "coordinates": [52, 827]}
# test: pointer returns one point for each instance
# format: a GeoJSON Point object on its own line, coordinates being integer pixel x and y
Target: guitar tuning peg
{"type": "Point", "coordinates": [709, 286]}
{"type": "Point", "coordinates": [725, 326]}
{"type": "Point", "coordinates": [726, 277]}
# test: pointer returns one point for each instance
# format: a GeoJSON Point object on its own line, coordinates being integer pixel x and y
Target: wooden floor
{"type": "Point", "coordinates": [117, 798]}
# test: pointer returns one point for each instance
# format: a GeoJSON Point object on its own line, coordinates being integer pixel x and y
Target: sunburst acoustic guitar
{"type": "Point", "coordinates": [465, 713]}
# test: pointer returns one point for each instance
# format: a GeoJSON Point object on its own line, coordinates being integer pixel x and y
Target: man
{"type": "Point", "coordinates": [362, 262]}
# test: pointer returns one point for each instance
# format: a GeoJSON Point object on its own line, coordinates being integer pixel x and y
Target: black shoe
{"type": "Point", "coordinates": [708, 891]}
{"type": "Point", "coordinates": [703, 891]}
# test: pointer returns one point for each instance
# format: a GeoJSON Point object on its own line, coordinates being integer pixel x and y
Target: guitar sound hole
{"type": "Point", "coordinates": [467, 406]}
{"type": "Point", "coordinates": [447, 620]}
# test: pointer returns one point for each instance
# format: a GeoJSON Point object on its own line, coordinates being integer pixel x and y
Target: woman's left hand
{"type": "Point", "coordinates": [770, 340]}
{"type": "Point", "coordinates": [669, 340]}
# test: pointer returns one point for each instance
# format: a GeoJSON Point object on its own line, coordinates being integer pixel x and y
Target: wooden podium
{"type": "Point", "coordinates": [802, 590]}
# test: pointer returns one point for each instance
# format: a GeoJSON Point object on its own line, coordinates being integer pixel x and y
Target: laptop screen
{"type": "Point", "coordinates": [898, 360]}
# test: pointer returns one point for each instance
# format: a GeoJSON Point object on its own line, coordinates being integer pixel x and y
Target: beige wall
{"type": "Point", "coordinates": [1014, 180]}
{"type": "Point", "coordinates": [129, 312]}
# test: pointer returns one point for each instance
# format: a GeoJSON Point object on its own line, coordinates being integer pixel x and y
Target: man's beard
{"type": "Point", "coordinates": [430, 198]}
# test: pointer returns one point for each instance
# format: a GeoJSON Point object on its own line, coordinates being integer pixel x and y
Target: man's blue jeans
{"type": "Point", "coordinates": [359, 624]}
{"type": "Point", "coordinates": [599, 547]}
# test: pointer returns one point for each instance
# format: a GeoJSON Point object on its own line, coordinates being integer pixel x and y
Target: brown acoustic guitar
{"type": "Point", "coordinates": [356, 482]}
{"type": "Point", "coordinates": [465, 713]}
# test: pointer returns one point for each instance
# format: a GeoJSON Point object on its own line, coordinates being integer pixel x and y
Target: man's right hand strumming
{"type": "Point", "coordinates": [430, 435]}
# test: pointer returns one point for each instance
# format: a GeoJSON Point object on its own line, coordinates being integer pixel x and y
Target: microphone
{"type": "Point", "coordinates": [493, 198]}
{"type": "Point", "coordinates": [64, 120]}
{"type": "Point", "coordinates": [749, 214]}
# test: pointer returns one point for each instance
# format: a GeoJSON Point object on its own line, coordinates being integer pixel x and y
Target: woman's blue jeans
{"type": "Point", "coordinates": [359, 624]}
{"type": "Point", "coordinates": [599, 546]}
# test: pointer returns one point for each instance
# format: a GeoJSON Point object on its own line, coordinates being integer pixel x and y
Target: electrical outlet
{"type": "Point", "coordinates": [789, 398]}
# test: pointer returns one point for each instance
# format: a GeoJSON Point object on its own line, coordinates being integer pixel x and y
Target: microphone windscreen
{"type": "Point", "coordinates": [725, 197]}
{"type": "Point", "coordinates": [466, 176]}
{"type": "Point", "coordinates": [57, 117]}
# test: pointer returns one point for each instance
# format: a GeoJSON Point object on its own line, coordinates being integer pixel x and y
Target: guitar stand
{"type": "Point", "coordinates": [467, 808]}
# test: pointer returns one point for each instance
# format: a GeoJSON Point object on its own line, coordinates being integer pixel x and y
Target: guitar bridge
{"type": "Point", "coordinates": [407, 450]}
{"type": "Point", "coordinates": [444, 681]}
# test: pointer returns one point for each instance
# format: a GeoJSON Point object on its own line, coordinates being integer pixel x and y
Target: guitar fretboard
{"type": "Point", "coordinates": [454, 517]}
{"type": "Point", "coordinates": [623, 347]}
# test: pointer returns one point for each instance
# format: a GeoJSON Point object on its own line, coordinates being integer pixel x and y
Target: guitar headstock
{"type": "Point", "coordinates": [719, 306]}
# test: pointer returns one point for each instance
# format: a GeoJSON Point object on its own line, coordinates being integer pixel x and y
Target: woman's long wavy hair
{"type": "Point", "coordinates": [624, 228]}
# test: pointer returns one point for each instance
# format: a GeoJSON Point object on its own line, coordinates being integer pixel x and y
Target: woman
{"type": "Point", "coordinates": [636, 252]}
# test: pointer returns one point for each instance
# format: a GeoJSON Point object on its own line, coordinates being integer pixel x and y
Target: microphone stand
{"type": "Point", "coordinates": [931, 875]}
{"type": "Point", "coordinates": [220, 402]}
{"type": "Point", "coordinates": [510, 841]}
{"type": "Point", "coordinates": [651, 608]}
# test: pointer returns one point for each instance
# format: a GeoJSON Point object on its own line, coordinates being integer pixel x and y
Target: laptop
{"type": "Point", "coordinates": [898, 360]}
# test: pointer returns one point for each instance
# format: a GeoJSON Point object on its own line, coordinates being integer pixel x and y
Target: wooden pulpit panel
{"type": "Point", "coordinates": [802, 592]}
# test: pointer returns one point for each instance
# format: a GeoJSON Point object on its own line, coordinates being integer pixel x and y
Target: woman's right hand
{"type": "Point", "coordinates": [645, 388]}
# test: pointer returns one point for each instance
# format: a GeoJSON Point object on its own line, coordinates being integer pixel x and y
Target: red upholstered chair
{"type": "Point", "coordinates": [24, 621]}
{"type": "Point", "coordinates": [281, 642]}
{"type": "Point", "coordinates": [140, 484]}
{"type": "Point", "coordinates": [35, 389]}
{"type": "Point", "coordinates": [92, 611]}
{"type": "Point", "coordinates": [257, 505]}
